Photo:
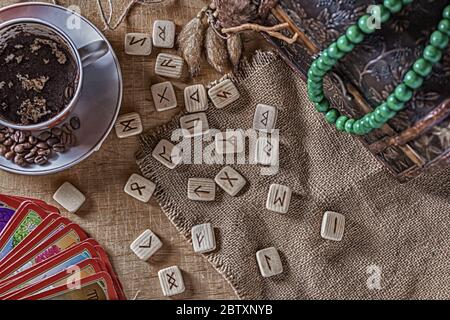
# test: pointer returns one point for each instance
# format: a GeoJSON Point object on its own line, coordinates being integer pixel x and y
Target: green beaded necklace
{"type": "Point", "coordinates": [403, 93]}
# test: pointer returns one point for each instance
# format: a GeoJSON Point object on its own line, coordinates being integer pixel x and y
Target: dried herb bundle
{"type": "Point", "coordinates": [222, 49]}
{"type": "Point", "coordinates": [235, 48]}
{"type": "Point", "coordinates": [190, 43]}
{"type": "Point", "coordinates": [216, 51]}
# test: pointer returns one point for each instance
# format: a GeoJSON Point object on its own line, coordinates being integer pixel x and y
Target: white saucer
{"type": "Point", "coordinates": [101, 95]}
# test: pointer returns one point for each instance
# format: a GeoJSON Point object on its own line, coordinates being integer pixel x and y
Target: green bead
{"type": "Point", "coordinates": [394, 104]}
{"type": "Point", "coordinates": [406, 2]}
{"type": "Point", "coordinates": [340, 123]}
{"type": "Point", "coordinates": [323, 106]}
{"type": "Point", "coordinates": [316, 95]}
{"type": "Point", "coordinates": [345, 45]}
{"type": "Point", "coordinates": [374, 122]}
{"type": "Point", "coordinates": [403, 93]}
{"type": "Point", "coordinates": [439, 40]}
{"type": "Point", "coordinates": [332, 116]}
{"type": "Point", "coordinates": [315, 84]}
{"type": "Point", "coordinates": [444, 26]}
{"type": "Point", "coordinates": [357, 128]}
{"type": "Point", "coordinates": [314, 91]}
{"type": "Point", "coordinates": [446, 13]}
{"type": "Point", "coordinates": [349, 126]}
{"type": "Point", "coordinates": [365, 25]}
{"type": "Point", "coordinates": [432, 54]}
{"type": "Point", "coordinates": [365, 125]}
{"type": "Point", "coordinates": [422, 67]}
{"type": "Point", "coordinates": [385, 14]}
{"type": "Point", "coordinates": [354, 34]}
{"type": "Point", "coordinates": [313, 77]}
{"type": "Point", "coordinates": [386, 112]}
{"type": "Point", "coordinates": [393, 6]}
{"type": "Point", "coordinates": [413, 80]}
{"type": "Point", "coordinates": [334, 52]}
{"type": "Point", "coordinates": [327, 59]}
{"type": "Point", "coordinates": [379, 117]}
{"type": "Point", "coordinates": [322, 65]}
{"type": "Point", "coordinates": [316, 65]}
{"type": "Point", "coordinates": [316, 70]}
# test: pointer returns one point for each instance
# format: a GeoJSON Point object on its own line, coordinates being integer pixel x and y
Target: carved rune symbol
{"type": "Point", "coordinates": [198, 191]}
{"type": "Point", "coordinates": [195, 96]}
{"type": "Point", "coordinates": [171, 280]}
{"type": "Point", "coordinates": [268, 148]}
{"type": "Point", "coordinates": [224, 94]}
{"type": "Point", "coordinates": [229, 179]}
{"type": "Point", "coordinates": [231, 140]}
{"type": "Point", "coordinates": [134, 41]}
{"type": "Point", "coordinates": [167, 63]}
{"type": "Point", "coordinates": [200, 237]}
{"type": "Point", "coordinates": [162, 33]}
{"type": "Point", "coordinates": [165, 156]}
{"type": "Point", "coordinates": [335, 225]}
{"type": "Point", "coordinates": [127, 125]}
{"type": "Point", "coordinates": [194, 123]}
{"type": "Point", "coordinates": [136, 187]}
{"type": "Point", "coordinates": [265, 119]}
{"type": "Point", "coordinates": [268, 262]}
{"type": "Point", "coordinates": [279, 199]}
{"type": "Point", "coordinates": [162, 96]}
{"type": "Point", "coordinates": [149, 244]}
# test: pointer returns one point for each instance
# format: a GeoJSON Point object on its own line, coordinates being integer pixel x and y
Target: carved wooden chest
{"type": "Point", "coordinates": [418, 138]}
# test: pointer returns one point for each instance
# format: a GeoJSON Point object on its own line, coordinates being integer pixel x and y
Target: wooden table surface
{"type": "Point", "coordinates": [110, 216]}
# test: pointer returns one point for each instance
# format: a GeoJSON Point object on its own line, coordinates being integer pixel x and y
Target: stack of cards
{"type": "Point", "coordinates": [44, 256]}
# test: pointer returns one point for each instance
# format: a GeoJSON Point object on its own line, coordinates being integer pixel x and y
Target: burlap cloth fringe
{"type": "Point", "coordinates": [396, 234]}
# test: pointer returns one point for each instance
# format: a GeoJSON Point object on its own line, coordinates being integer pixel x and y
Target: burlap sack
{"type": "Point", "coordinates": [396, 242]}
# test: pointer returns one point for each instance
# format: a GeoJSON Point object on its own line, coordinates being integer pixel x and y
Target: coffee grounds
{"type": "Point", "coordinates": [37, 80]}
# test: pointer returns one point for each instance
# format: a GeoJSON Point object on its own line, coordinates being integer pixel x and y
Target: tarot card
{"type": "Point", "coordinates": [84, 251]}
{"type": "Point", "coordinates": [9, 202]}
{"type": "Point", "coordinates": [5, 216]}
{"type": "Point", "coordinates": [70, 277]}
{"type": "Point", "coordinates": [59, 242]}
{"type": "Point", "coordinates": [13, 202]}
{"type": "Point", "coordinates": [24, 221]}
{"type": "Point", "coordinates": [96, 287]}
{"type": "Point", "coordinates": [51, 225]}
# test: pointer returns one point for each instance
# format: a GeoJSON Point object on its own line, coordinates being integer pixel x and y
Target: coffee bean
{"type": "Point", "coordinates": [20, 148]}
{"type": "Point", "coordinates": [19, 160]}
{"type": "Point", "coordinates": [8, 142]}
{"type": "Point", "coordinates": [33, 151]}
{"type": "Point", "coordinates": [75, 123]}
{"type": "Point", "coordinates": [19, 136]}
{"type": "Point", "coordinates": [32, 140]}
{"type": "Point", "coordinates": [68, 139]}
{"type": "Point", "coordinates": [66, 128]}
{"type": "Point", "coordinates": [3, 150]}
{"type": "Point", "coordinates": [56, 132]}
{"type": "Point", "coordinates": [29, 159]}
{"type": "Point", "coordinates": [52, 141]}
{"type": "Point", "coordinates": [10, 155]}
{"type": "Point", "coordinates": [44, 136]}
{"type": "Point", "coordinates": [2, 137]}
{"type": "Point", "coordinates": [68, 93]}
{"type": "Point", "coordinates": [42, 145]}
{"type": "Point", "coordinates": [59, 148]}
{"type": "Point", "coordinates": [44, 152]}
{"type": "Point", "coordinates": [40, 160]}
